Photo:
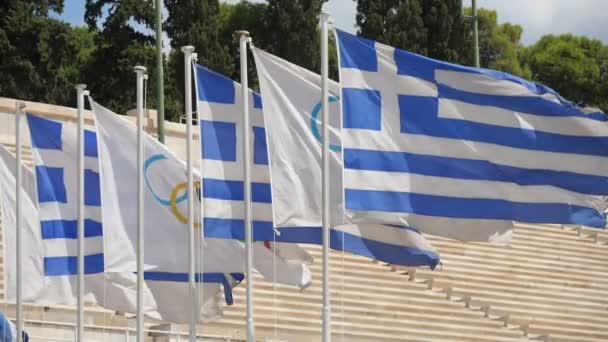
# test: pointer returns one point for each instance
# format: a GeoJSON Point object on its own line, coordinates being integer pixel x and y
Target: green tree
{"type": "Point", "coordinates": [243, 16]}
{"type": "Point", "coordinates": [123, 41]}
{"type": "Point", "coordinates": [500, 45]}
{"type": "Point", "coordinates": [437, 29]}
{"type": "Point", "coordinates": [434, 28]}
{"type": "Point", "coordinates": [291, 31]}
{"type": "Point", "coordinates": [196, 23]}
{"type": "Point", "coordinates": [39, 55]}
{"type": "Point", "coordinates": [576, 67]}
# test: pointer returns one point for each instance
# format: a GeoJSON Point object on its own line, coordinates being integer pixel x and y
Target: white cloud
{"type": "Point", "coordinates": [537, 17]}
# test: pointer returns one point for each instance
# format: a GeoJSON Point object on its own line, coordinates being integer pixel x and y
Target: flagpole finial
{"type": "Point", "coordinates": [188, 49]}
{"type": "Point", "coordinates": [241, 33]}
{"type": "Point", "coordinates": [80, 86]}
{"type": "Point", "coordinates": [326, 17]}
{"type": "Point", "coordinates": [138, 69]}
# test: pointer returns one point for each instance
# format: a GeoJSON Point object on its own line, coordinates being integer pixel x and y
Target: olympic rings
{"type": "Point", "coordinates": [174, 201]}
{"type": "Point", "coordinates": [147, 163]}
{"type": "Point", "coordinates": [313, 123]}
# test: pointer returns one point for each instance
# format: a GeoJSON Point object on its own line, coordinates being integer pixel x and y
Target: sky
{"type": "Point", "coordinates": [537, 17]}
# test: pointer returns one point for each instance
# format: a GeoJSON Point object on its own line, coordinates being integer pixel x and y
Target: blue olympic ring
{"type": "Point", "coordinates": [315, 129]}
{"type": "Point", "coordinates": [147, 164]}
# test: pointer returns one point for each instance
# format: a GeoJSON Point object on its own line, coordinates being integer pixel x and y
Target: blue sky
{"type": "Point", "coordinates": [538, 17]}
{"type": "Point", "coordinates": [73, 12]}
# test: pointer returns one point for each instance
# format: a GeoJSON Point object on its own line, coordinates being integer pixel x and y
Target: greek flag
{"type": "Point", "coordinates": [49, 239]}
{"type": "Point", "coordinates": [462, 152]}
{"type": "Point", "coordinates": [221, 119]}
{"type": "Point", "coordinates": [54, 149]}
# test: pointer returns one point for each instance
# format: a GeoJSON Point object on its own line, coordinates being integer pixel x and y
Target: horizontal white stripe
{"type": "Point", "coordinates": [496, 231]}
{"type": "Point", "coordinates": [63, 159]}
{"type": "Point", "coordinates": [386, 234]}
{"type": "Point", "coordinates": [482, 84]}
{"type": "Point", "coordinates": [69, 247]}
{"type": "Point", "coordinates": [462, 188]}
{"type": "Point", "coordinates": [219, 169]}
{"type": "Point", "coordinates": [575, 126]}
{"type": "Point", "coordinates": [455, 148]}
{"type": "Point", "coordinates": [230, 112]}
{"type": "Point", "coordinates": [353, 78]}
{"type": "Point", "coordinates": [67, 211]}
{"type": "Point", "coordinates": [214, 208]}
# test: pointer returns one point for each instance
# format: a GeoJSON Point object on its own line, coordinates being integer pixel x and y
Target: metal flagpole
{"type": "Point", "coordinates": [141, 74]}
{"type": "Point", "coordinates": [80, 198]}
{"type": "Point", "coordinates": [187, 50]}
{"type": "Point", "coordinates": [18, 191]}
{"type": "Point", "coordinates": [200, 237]}
{"type": "Point", "coordinates": [325, 177]}
{"type": "Point", "coordinates": [160, 93]}
{"type": "Point", "coordinates": [243, 40]}
{"type": "Point", "coordinates": [475, 32]}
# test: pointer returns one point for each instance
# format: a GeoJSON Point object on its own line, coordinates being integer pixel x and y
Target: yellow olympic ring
{"type": "Point", "coordinates": [181, 218]}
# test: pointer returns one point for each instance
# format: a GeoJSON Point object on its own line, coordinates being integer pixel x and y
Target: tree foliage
{"type": "Point", "coordinates": [120, 46]}
{"type": "Point", "coordinates": [500, 45]}
{"type": "Point", "coordinates": [433, 28]}
{"type": "Point", "coordinates": [41, 58]}
{"type": "Point", "coordinates": [576, 67]}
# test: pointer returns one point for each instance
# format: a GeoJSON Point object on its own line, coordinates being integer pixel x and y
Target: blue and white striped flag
{"type": "Point", "coordinates": [54, 150]}
{"type": "Point", "coordinates": [221, 119]}
{"type": "Point", "coordinates": [462, 152]}
{"type": "Point", "coordinates": [51, 224]}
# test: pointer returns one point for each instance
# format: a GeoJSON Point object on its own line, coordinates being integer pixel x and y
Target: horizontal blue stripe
{"type": "Point", "coordinates": [68, 265]}
{"type": "Point", "coordinates": [472, 208]}
{"type": "Point", "coordinates": [68, 229]}
{"type": "Point", "coordinates": [198, 277]}
{"type": "Point", "coordinates": [234, 190]}
{"type": "Point", "coordinates": [533, 105]}
{"type": "Point", "coordinates": [394, 254]}
{"type": "Point", "coordinates": [221, 228]}
{"type": "Point", "coordinates": [472, 169]}
{"type": "Point", "coordinates": [426, 68]}
{"type": "Point", "coordinates": [419, 115]}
